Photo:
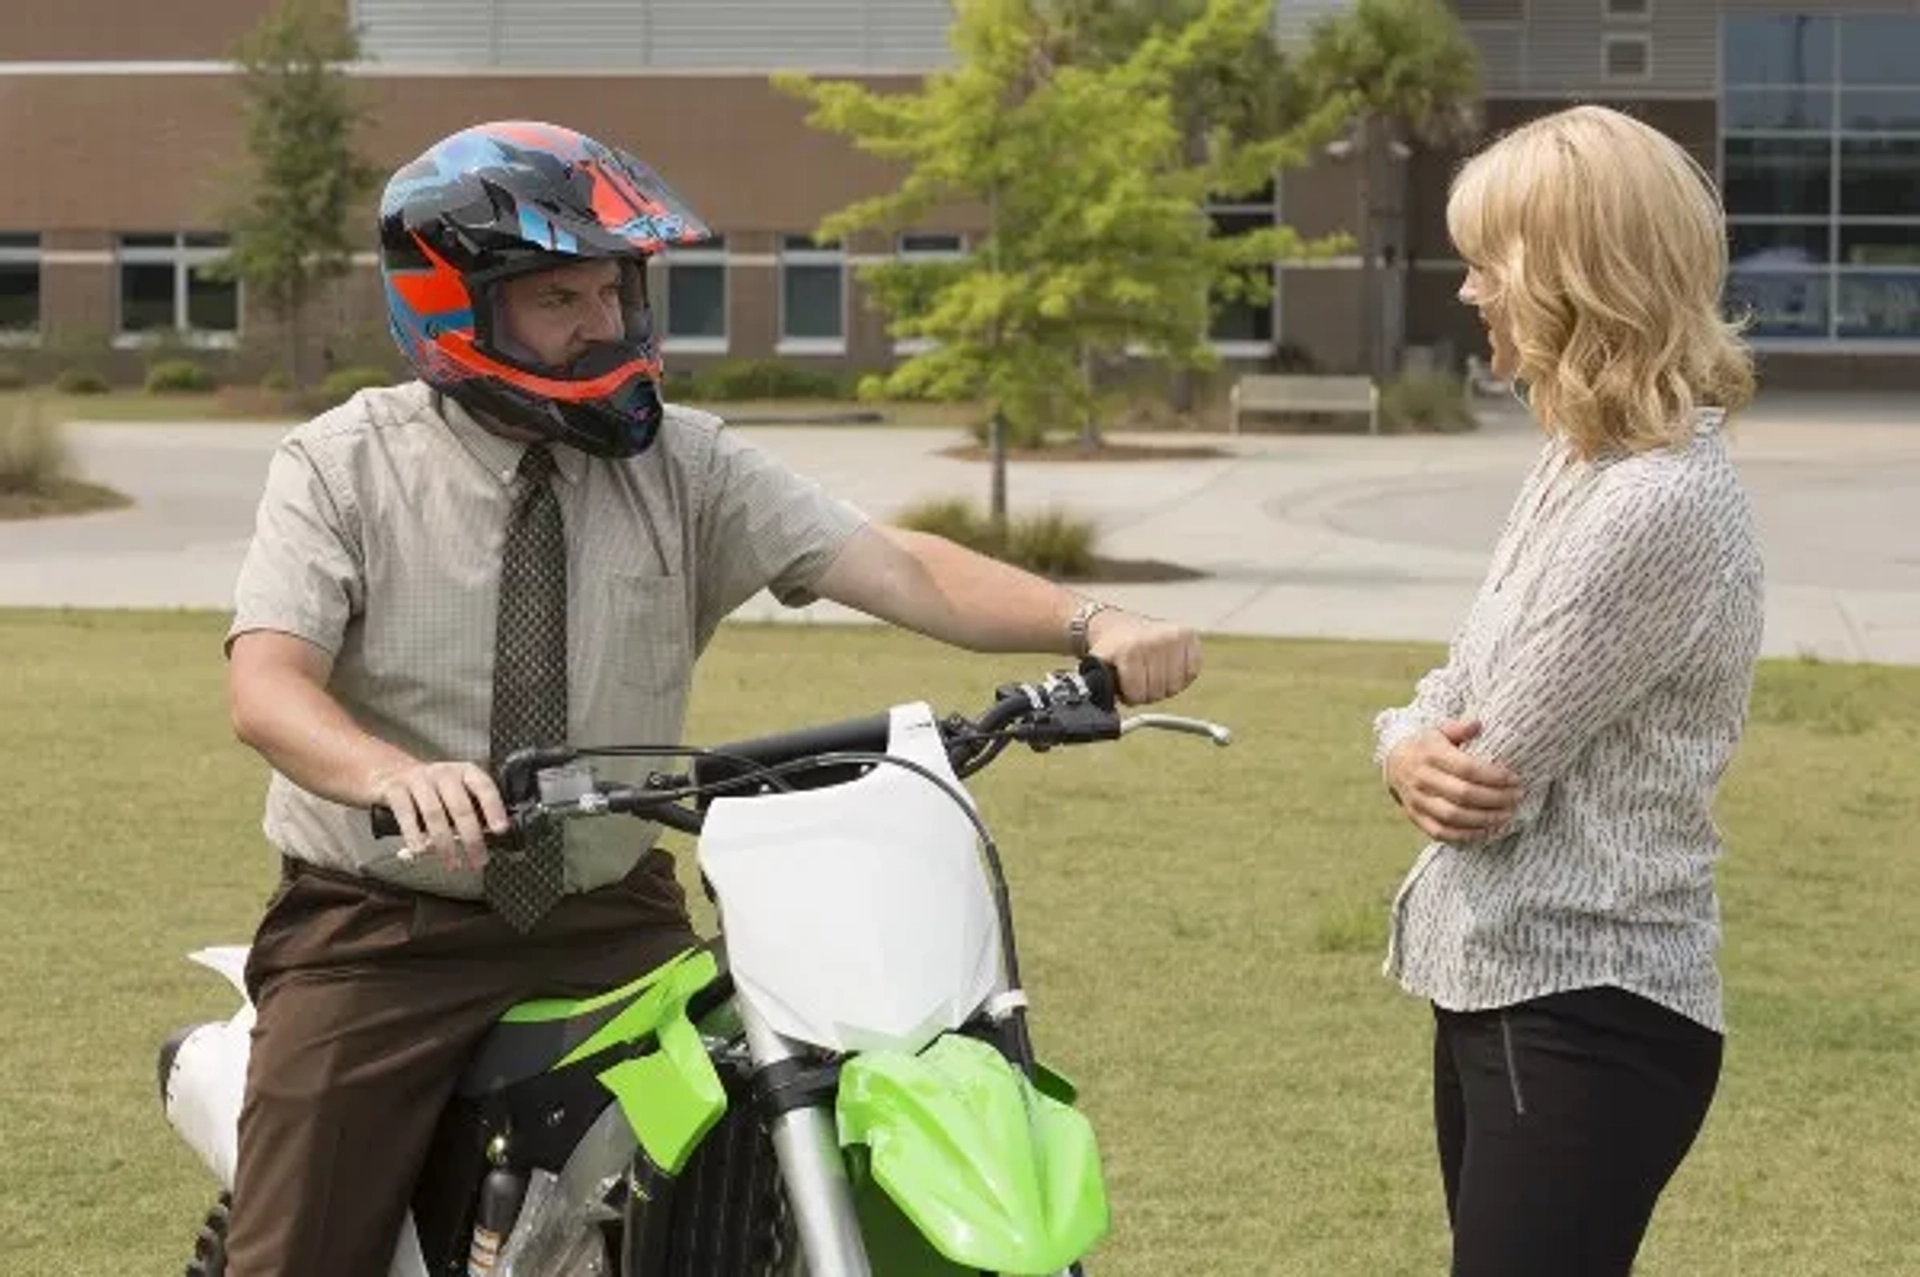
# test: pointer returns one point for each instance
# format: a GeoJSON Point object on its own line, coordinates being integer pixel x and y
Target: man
{"type": "Point", "coordinates": [523, 546]}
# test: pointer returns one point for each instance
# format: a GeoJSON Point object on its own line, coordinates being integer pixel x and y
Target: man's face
{"type": "Point", "coordinates": [555, 315]}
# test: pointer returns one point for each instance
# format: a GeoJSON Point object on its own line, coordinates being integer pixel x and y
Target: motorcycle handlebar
{"type": "Point", "coordinates": [1062, 709]}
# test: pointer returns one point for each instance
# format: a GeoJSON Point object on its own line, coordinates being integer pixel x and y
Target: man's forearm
{"type": "Point", "coordinates": [306, 736]}
{"type": "Point", "coordinates": [930, 585]}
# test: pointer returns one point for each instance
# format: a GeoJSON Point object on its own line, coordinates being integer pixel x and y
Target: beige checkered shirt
{"type": "Point", "coordinates": [379, 537]}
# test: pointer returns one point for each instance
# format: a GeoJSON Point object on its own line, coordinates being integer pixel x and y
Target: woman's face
{"type": "Point", "coordinates": [1476, 292]}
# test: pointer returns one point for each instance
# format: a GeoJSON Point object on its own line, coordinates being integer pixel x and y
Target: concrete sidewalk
{"type": "Point", "coordinates": [1301, 536]}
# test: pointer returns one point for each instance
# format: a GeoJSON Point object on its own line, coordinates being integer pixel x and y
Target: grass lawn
{"type": "Point", "coordinates": [1202, 935]}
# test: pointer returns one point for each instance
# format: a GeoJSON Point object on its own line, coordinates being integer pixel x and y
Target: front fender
{"type": "Point", "coordinates": [993, 1173]}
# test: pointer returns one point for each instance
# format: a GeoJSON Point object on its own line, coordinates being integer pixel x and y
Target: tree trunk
{"type": "Point", "coordinates": [1394, 306]}
{"type": "Point", "coordinates": [1180, 392]}
{"type": "Point", "coordinates": [296, 330]}
{"type": "Point", "coordinates": [997, 443]}
{"type": "Point", "coordinates": [1369, 251]}
{"type": "Point", "coordinates": [1090, 440]}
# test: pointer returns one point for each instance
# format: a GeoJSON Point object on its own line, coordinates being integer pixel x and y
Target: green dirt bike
{"type": "Point", "coordinates": [842, 1085]}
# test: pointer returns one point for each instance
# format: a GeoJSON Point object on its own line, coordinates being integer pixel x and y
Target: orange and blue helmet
{"type": "Point", "coordinates": [503, 199]}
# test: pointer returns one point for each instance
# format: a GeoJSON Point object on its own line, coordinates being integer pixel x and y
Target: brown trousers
{"type": "Point", "coordinates": [370, 999]}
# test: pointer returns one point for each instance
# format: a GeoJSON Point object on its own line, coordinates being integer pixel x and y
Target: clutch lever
{"type": "Point", "coordinates": [1219, 735]}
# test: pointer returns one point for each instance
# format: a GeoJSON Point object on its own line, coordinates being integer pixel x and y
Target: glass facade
{"type": "Point", "coordinates": [1820, 166]}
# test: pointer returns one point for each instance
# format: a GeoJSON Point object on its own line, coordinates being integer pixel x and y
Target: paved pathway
{"type": "Point", "coordinates": [1325, 536]}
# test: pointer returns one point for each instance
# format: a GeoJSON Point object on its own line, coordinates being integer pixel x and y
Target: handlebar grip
{"type": "Point", "coordinates": [1103, 682]}
{"type": "Point", "coordinates": [385, 823]}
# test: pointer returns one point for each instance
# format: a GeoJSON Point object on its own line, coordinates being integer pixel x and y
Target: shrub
{"type": "Point", "coordinates": [178, 377]}
{"type": "Point", "coordinates": [12, 377]}
{"type": "Point", "coordinates": [745, 379]}
{"type": "Point", "coordinates": [957, 520]}
{"type": "Point", "coordinates": [342, 384]}
{"type": "Point", "coordinates": [33, 455]}
{"type": "Point", "coordinates": [1052, 543]}
{"type": "Point", "coordinates": [1291, 357]}
{"type": "Point", "coordinates": [80, 381]}
{"type": "Point", "coordinates": [277, 380]}
{"type": "Point", "coordinates": [345, 382]}
{"type": "Point", "coordinates": [1430, 402]}
{"type": "Point", "coordinates": [1020, 432]}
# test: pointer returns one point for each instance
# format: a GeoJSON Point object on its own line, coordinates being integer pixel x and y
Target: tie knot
{"type": "Point", "coordinates": [536, 465]}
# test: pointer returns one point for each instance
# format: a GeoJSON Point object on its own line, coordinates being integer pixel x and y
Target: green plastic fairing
{"type": "Point", "coordinates": [671, 1096]}
{"type": "Point", "coordinates": [993, 1173]}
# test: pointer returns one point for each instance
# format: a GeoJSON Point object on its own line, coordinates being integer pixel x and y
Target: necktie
{"type": "Point", "coordinates": [530, 678]}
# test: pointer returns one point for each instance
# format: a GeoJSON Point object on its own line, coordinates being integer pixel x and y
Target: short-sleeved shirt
{"type": "Point", "coordinates": [379, 538]}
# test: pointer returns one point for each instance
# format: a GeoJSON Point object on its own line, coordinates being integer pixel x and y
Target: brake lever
{"type": "Point", "coordinates": [1219, 735]}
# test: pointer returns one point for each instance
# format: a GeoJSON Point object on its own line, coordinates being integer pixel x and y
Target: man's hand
{"type": "Point", "coordinates": [1451, 795]}
{"type": "Point", "coordinates": [441, 808]}
{"type": "Point", "coordinates": [1155, 659]}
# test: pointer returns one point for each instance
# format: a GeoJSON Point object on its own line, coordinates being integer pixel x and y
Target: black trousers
{"type": "Point", "coordinates": [1560, 1121]}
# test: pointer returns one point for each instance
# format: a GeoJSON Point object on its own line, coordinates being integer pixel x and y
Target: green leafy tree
{"type": "Point", "coordinates": [1096, 240]}
{"type": "Point", "coordinates": [290, 220]}
{"type": "Point", "coordinates": [1236, 90]}
{"type": "Point", "coordinates": [1406, 73]}
{"type": "Point", "coordinates": [1234, 86]}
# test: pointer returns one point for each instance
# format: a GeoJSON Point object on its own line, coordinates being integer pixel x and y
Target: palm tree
{"type": "Point", "coordinates": [1410, 75]}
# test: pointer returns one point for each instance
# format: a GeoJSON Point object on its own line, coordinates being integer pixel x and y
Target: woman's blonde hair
{"type": "Point", "coordinates": [1605, 248]}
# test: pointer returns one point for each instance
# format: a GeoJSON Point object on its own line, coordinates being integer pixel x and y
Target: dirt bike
{"type": "Point", "coordinates": [842, 1083]}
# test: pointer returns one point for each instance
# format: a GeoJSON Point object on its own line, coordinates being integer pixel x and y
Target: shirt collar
{"type": "Point", "coordinates": [500, 456]}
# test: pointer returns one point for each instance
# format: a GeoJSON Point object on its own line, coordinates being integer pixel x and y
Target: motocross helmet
{"type": "Point", "coordinates": [507, 198]}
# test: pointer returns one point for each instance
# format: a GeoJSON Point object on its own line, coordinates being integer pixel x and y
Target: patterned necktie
{"type": "Point", "coordinates": [530, 678]}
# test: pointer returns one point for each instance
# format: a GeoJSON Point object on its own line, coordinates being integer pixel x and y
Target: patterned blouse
{"type": "Point", "coordinates": [1609, 656]}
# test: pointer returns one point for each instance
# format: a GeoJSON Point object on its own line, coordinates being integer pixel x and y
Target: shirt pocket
{"type": "Point", "coordinates": [648, 641]}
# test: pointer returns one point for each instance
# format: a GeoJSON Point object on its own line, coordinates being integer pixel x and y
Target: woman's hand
{"type": "Point", "coordinates": [1451, 795]}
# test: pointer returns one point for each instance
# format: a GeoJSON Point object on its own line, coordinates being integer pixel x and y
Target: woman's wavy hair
{"type": "Point", "coordinates": [1604, 248]}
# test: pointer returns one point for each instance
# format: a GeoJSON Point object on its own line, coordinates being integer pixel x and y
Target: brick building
{"type": "Point", "coordinates": [117, 119]}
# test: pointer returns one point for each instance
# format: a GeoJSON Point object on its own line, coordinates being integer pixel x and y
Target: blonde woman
{"type": "Point", "coordinates": [1563, 922]}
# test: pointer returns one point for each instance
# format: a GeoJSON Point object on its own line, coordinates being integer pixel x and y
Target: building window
{"type": "Point", "coordinates": [932, 245]}
{"type": "Point", "coordinates": [1628, 10]}
{"type": "Point", "coordinates": [1629, 57]}
{"type": "Point", "coordinates": [813, 297]}
{"type": "Point", "coordinates": [165, 286]}
{"type": "Point", "coordinates": [1820, 166]}
{"type": "Point", "coordinates": [19, 289]}
{"type": "Point", "coordinates": [1241, 327]}
{"type": "Point", "coordinates": [697, 298]}
{"type": "Point", "coordinates": [926, 246]}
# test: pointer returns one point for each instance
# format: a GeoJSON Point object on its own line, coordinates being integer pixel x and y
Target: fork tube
{"type": "Point", "coordinates": [812, 1169]}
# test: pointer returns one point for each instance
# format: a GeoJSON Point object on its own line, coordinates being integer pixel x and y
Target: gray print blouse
{"type": "Point", "coordinates": [1609, 655]}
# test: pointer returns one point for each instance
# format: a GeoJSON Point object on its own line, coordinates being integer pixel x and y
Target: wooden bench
{"type": "Point", "coordinates": [1262, 392]}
